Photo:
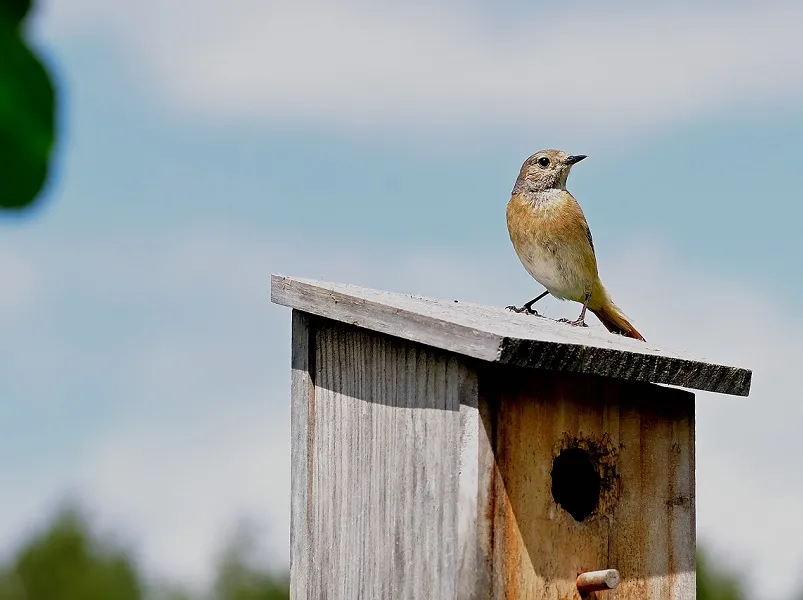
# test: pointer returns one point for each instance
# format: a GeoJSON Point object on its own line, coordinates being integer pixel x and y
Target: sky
{"type": "Point", "coordinates": [206, 145]}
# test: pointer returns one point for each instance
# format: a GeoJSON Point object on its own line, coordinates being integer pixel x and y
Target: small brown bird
{"type": "Point", "coordinates": [552, 239]}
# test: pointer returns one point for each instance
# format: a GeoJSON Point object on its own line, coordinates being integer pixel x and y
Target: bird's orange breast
{"type": "Point", "coordinates": [559, 219]}
{"type": "Point", "coordinates": [550, 236]}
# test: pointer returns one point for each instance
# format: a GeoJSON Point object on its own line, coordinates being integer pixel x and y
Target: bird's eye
{"type": "Point", "coordinates": [543, 161]}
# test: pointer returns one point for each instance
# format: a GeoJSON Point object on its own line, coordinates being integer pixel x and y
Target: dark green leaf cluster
{"type": "Point", "coordinates": [27, 112]}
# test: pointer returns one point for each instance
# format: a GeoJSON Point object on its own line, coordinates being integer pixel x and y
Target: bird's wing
{"type": "Point", "coordinates": [576, 220]}
{"type": "Point", "coordinates": [575, 227]}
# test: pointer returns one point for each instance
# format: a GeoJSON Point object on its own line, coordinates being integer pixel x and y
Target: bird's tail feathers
{"type": "Point", "coordinates": [615, 320]}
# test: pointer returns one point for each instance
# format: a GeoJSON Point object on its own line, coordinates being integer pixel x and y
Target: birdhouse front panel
{"type": "Point", "coordinates": [581, 474]}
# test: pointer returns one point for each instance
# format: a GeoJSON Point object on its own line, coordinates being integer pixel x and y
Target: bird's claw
{"type": "Point", "coordinates": [576, 323]}
{"type": "Point", "coordinates": [523, 309]}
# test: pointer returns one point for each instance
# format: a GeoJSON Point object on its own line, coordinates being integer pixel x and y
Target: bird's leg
{"type": "Point", "coordinates": [528, 308]}
{"type": "Point", "coordinates": [581, 320]}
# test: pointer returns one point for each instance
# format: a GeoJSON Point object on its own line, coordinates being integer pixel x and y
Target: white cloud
{"type": "Point", "coordinates": [358, 65]}
{"type": "Point", "coordinates": [201, 433]}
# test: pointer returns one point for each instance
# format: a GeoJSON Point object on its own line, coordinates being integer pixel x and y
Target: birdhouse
{"type": "Point", "coordinates": [444, 450]}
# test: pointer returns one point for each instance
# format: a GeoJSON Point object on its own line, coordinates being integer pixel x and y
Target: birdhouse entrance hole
{"type": "Point", "coordinates": [576, 482]}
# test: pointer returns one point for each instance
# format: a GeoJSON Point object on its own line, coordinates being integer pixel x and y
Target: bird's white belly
{"type": "Point", "coordinates": [554, 269]}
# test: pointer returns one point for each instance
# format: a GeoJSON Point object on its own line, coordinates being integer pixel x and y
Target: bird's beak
{"type": "Point", "coordinates": [575, 158]}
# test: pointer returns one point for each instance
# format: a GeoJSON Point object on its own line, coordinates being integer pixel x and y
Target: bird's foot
{"type": "Point", "coordinates": [576, 323]}
{"type": "Point", "coordinates": [524, 309]}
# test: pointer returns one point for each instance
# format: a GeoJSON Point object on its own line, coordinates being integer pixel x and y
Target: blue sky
{"type": "Point", "coordinates": [143, 365]}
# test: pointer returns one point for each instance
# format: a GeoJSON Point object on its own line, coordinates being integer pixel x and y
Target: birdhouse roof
{"type": "Point", "coordinates": [496, 335]}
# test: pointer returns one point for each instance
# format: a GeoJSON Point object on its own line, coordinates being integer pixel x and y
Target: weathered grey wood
{"type": "Point", "coordinates": [302, 423]}
{"type": "Point", "coordinates": [496, 335]}
{"type": "Point", "coordinates": [469, 581]}
{"type": "Point", "coordinates": [382, 448]}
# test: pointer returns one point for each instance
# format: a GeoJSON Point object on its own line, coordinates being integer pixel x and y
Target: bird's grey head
{"type": "Point", "coordinates": [545, 170]}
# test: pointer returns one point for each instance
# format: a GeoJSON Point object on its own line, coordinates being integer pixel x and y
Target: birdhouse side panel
{"type": "Point", "coordinates": [383, 439]}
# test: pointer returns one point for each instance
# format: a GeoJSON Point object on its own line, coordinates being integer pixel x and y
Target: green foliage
{"type": "Point", "coordinates": [714, 583]}
{"type": "Point", "coordinates": [64, 563]}
{"type": "Point", "coordinates": [67, 561]}
{"type": "Point", "coordinates": [238, 580]}
{"type": "Point", "coordinates": [27, 106]}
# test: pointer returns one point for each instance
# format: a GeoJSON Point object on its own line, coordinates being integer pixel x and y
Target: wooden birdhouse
{"type": "Point", "coordinates": [443, 450]}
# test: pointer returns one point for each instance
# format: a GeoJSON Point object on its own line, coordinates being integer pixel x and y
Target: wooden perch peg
{"type": "Point", "coordinates": [597, 581]}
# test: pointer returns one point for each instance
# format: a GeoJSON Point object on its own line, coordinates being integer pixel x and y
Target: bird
{"type": "Point", "coordinates": [552, 239]}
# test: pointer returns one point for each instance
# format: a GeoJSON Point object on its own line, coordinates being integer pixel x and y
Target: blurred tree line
{"type": "Point", "coordinates": [68, 560]}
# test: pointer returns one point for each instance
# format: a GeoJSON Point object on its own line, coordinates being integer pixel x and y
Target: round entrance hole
{"type": "Point", "coordinates": [575, 483]}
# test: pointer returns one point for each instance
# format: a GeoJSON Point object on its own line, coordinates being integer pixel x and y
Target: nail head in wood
{"type": "Point", "coordinates": [598, 581]}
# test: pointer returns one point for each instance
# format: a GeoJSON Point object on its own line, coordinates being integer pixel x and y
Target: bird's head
{"type": "Point", "coordinates": [546, 170]}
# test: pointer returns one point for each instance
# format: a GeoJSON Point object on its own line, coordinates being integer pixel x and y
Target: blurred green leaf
{"type": "Point", "coordinates": [14, 11]}
{"type": "Point", "coordinates": [27, 104]}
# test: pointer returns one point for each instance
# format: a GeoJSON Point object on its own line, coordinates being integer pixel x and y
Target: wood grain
{"type": "Point", "coordinates": [378, 469]}
{"type": "Point", "coordinates": [302, 423]}
{"type": "Point", "coordinates": [469, 574]}
{"type": "Point", "coordinates": [644, 523]}
{"type": "Point", "coordinates": [418, 473]}
{"type": "Point", "coordinates": [495, 335]}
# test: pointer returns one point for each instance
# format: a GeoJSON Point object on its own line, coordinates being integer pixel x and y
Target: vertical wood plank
{"type": "Point", "coordinates": [302, 422]}
{"type": "Point", "coordinates": [683, 501]}
{"type": "Point", "coordinates": [655, 516]}
{"type": "Point", "coordinates": [392, 428]}
{"type": "Point", "coordinates": [469, 574]}
{"type": "Point", "coordinates": [489, 484]}
{"type": "Point", "coordinates": [656, 440]}
{"type": "Point", "coordinates": [629, 544]}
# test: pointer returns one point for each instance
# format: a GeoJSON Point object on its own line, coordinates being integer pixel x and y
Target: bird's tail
{"type": "Point", "coordinates": [614, 319]}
